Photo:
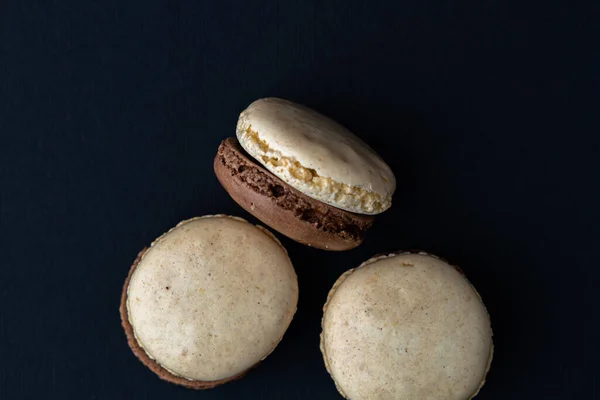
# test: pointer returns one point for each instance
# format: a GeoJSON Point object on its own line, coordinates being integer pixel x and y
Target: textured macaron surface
{"type": "Point", "coordinates": [212, 297]}
{"type": "Point", "coordinates": [406, 326]}
{"type": "Point", "coordinates": [316, 155]}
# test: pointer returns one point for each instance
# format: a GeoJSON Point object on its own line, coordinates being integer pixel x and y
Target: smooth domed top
{"type": "Point", "coordinates": [316, 155]}
{"type": "Point", "coordinates": [212, 297]}
{"type": "Point", "coordinates": [406, 327]}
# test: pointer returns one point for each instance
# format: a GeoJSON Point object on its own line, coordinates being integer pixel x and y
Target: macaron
{"type": "Point", "coordinates": [208, 300]}
{"type": "Point", "coordinates": [304, 175]}
{"type": "Point", "coordinates": [406, 326]}
{"type": "Point", "coordinates": [284, 208]}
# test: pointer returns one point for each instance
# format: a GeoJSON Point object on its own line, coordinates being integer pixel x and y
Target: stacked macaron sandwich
{"type": "Point", "coordinates": [213, 296]}
{"type": "Point", "coordinates": [304, 175]}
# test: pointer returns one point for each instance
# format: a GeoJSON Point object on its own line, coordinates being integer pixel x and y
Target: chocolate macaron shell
{"type": "Point", "coordinates": [139, 352]}
{"type": "Point", "coordinates": [284, 208]}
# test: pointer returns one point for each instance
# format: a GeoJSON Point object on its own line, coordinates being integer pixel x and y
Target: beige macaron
{"type": "Point", "coordinates": [406, 326]}
{"type": "Point", "coordinates": [208, 300]}
{"type": "Point", "coordinates": [316, 155]}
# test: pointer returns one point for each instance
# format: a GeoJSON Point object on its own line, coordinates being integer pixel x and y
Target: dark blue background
{"type": "Point", "coordinates": [111, 113]}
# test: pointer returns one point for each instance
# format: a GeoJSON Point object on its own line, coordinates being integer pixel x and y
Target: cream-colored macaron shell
{"type": "Point", "coordinates": [212, 297]}
{"type": "Point", "coordinates": [406, 326]}
{"type": "Point", "coordinates": [316, 155]}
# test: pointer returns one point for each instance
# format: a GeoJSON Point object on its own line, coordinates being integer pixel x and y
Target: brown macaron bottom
{"type": "Point", "coordinates": [284, 208]}
{"type": "Point", "coordinates": [139, 352]}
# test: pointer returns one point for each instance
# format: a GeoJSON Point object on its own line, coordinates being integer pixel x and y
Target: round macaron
{"type": "Point", "coordinates": [304, 175]}
{"type": "Point", "coordinates": [406, 326]}
{"type": "Point", "coordinates": [208, 300]}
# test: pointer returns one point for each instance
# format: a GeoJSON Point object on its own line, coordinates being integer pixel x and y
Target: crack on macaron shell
{"type": "Point", "coordinates": [308, 180]}
{"type": "Point", "coordinates": [330, 220]}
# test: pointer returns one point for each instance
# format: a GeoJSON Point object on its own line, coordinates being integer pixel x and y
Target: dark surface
{"type": "Point", "coordinates": [111, 114]}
